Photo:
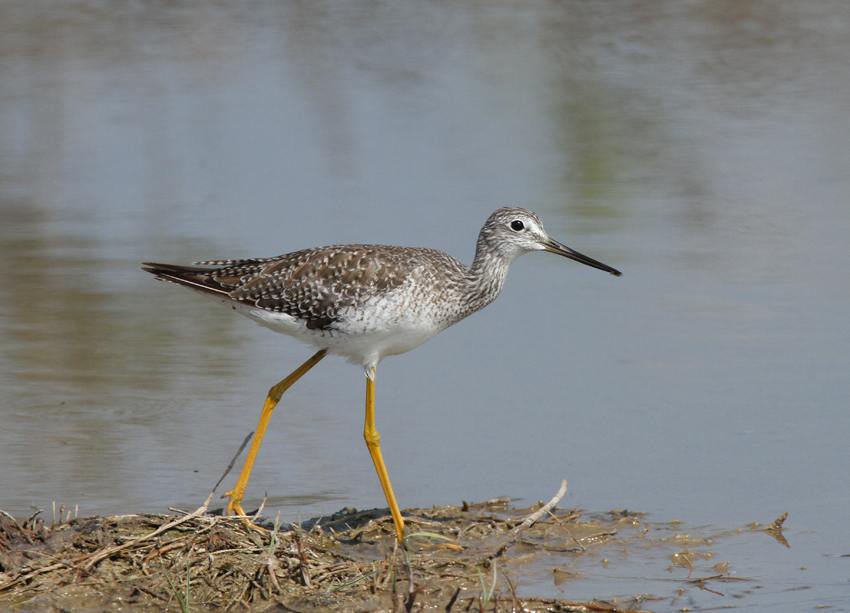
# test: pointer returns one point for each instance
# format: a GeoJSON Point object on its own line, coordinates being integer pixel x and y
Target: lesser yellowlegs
{"type": "Point", "coordinates": [365, 302]}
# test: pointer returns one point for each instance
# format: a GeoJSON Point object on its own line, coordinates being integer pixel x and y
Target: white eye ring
{"type": "Point", "coordinates": [517, 225]}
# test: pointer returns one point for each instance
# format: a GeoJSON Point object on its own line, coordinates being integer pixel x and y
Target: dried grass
{"type": "Point", "coordinates": [348, 562]}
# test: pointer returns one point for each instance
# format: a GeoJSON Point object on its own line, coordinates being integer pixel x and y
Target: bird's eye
{"type": "Point", "coordinates": [517, 225]}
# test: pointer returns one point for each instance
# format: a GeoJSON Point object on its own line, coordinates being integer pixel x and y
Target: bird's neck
{"type": "Point", "coordinates": [485, 277]}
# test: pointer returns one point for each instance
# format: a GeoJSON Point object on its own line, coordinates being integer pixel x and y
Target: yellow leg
{"type": "Point", "coordinates": [234, 505]}
{"type": "Point", "coordinates": [373, 443]}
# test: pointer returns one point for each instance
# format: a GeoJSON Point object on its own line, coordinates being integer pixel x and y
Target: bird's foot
{"type": "Point", "coordinates": [234, 503]}
{"type": "Point", "coordinates": [234, 507]}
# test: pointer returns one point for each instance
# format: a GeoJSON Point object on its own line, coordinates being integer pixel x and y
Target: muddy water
{"type": "Point", "coordinates": [700, 149]}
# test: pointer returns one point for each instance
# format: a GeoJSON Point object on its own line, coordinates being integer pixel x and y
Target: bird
{"type": "Point", "coordinates": [364, 303]}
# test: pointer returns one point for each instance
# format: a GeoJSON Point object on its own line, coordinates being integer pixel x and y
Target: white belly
{"type": "Point", "coordinates": [364, 337]}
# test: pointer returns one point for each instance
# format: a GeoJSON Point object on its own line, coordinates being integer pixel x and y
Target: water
{"type": "Point", "coordinates": [700, 148]}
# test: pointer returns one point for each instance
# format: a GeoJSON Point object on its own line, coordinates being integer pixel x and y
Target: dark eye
{"type": "Point", "coordinates": [517, 225]}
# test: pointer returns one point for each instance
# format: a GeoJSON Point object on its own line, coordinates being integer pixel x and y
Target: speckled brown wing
{"type": "Point", "coordinates": [314, 285]}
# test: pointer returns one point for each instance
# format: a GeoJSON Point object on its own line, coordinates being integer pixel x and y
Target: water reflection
{"type": "Point", "coordinates": [62, 315]}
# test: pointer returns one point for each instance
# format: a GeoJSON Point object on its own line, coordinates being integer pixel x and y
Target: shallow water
{"type": "Point", "coordinates": [700, 148]}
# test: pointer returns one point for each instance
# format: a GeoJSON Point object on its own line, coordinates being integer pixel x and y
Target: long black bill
{"type": "Point", "coordinates": [553, 246]}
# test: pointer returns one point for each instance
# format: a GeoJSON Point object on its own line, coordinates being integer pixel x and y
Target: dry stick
{"type": "Point", "coordinates": [262, 506]}
{"type": "Point", "coordinates": [31, 574]}
{"type": "Point", "coordinates": [23, 532]}
{"type": "Point", "coordinates": [106, 553]}
{"type": "Point", "coordinates": [570, 534]}
{"type": "Point", "coordinates": [233, 461]}
{"type": "Point", "coordinates": [541, 511]}
{"type": "Point", "coordinates": [529, 521]}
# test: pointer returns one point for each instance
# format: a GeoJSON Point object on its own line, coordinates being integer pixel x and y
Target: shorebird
{"type": "Point", "coordinates": [364, 302]}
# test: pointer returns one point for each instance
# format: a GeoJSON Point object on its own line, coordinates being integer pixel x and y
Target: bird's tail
{"type": "Point", "coordinates": [201, 278]}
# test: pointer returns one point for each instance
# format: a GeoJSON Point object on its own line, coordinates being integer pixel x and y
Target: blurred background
{"type": "Point", "coordinates": [703, 148]}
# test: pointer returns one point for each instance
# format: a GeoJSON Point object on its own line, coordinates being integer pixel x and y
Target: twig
{"type": "Point", "coordinates": [24, 533]}
{"type": "Point", "coordinates": [31, 574]}
{"type": "Point", "coordinates": [233, 461]}
{"type": "Point", "coordinates": [558, 521]}
{"type": "Point", "coordinates": [106, 553]}
{"type": "Point", "coordinates": [541, 511]}
{"type": "Point", "coordinates": [260, 510]}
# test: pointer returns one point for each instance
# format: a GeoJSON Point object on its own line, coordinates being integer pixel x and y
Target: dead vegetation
{"type": "Point", "coordinates": [454, 559]}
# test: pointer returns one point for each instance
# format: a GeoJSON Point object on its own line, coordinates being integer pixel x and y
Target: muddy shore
{"type": "Point", "coordinates": [470, 557]}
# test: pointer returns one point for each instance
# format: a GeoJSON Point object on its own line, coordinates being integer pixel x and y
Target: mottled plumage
{"type": "Point", "coordinates": [368, 301]}
{"type": "Point", "coordinates": [365, 302]}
